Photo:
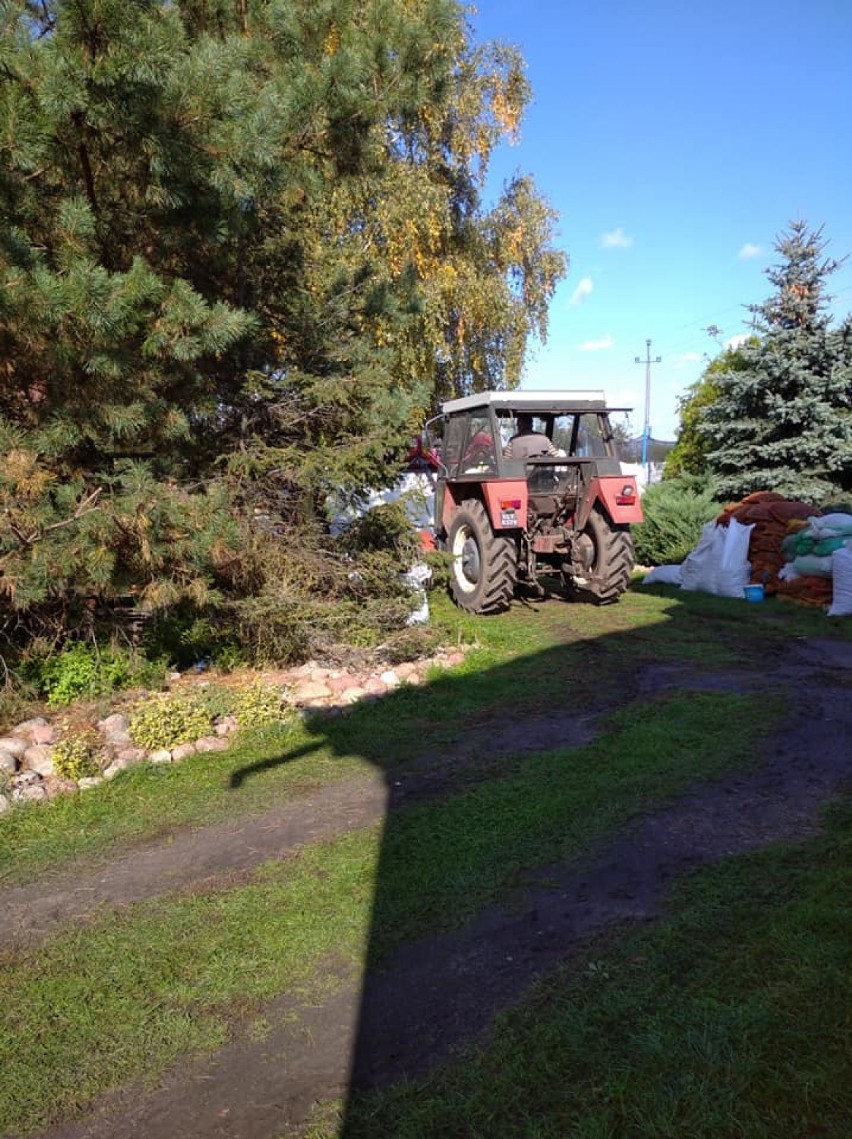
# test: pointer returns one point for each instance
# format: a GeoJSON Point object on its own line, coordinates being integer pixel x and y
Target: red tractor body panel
{"type": "Point", "coordinates": [619, 495]}
{"type": "Point", "coordinates": [506, 501]}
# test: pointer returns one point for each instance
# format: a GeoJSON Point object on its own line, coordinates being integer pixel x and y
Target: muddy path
{"type": "Point", "coordinates": [197, 856]}
{"type": "Point", "coordinates": [435, 994]}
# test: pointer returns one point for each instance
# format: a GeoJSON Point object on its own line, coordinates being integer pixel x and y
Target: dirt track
{"type": "Point", "coordinates": [437, 993]}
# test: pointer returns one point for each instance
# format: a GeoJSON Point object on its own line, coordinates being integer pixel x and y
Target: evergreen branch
{"type": "Point", "coordinates": [86, 506]}
{"type": "Point", "coordinates": [85, 163]}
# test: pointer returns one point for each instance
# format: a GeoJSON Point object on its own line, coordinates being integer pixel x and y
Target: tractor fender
{"type": "Point", "coordinates": [619, 496]}
{"type": "Point", "coordinates": [505, 500]}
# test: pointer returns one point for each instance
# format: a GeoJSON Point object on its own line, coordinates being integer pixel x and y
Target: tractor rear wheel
{"type": "Point", "coordinates": [606, 553]}
{"type": "Point", "coordinates": [485, 565]}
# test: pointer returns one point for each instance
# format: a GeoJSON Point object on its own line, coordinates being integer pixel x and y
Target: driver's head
{"type": "Point", "coordinates": [525, 424]}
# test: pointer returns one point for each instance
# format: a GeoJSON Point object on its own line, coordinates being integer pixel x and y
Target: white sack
{"type": "Point", "coordinates": [830, 525]}
{"type": "Point", "coordinates": [418, 577]}
{"type": "Point", "coordinates": [734, 568]}
{"type": "Point", "coordinates": [841, 573]}
{"type": "Point", "coordinates": [663, 575]}
{"type": "Point", "coordinates": [700, 568]}
{"type": "Point", "coordinates": [719, 563]}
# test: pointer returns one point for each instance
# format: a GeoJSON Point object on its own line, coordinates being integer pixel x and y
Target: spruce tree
{"type": "Point", "coordinates": [782, 420]}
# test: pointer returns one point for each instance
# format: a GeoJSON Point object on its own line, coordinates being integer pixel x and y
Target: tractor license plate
{"type": "Point", "coordinates": [508, 518]}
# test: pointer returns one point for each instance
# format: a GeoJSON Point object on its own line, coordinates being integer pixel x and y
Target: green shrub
{"type": "Point", "coordinates": [215, 699]}
{"type": "Point", "coordinates": [260, 704]}
{"type": "Point", "coordinates": [86, 671]}
{"type": "Point", "coordinates": [75, 757]}
{"type": "Point", "coordinates": [676, 511]}
{"type": "Point", "coordinates": [164, 720]}
{"type": "Point", "coordinates": [385, 528]}
{"type": "Point", "coordinates": [184, 635]}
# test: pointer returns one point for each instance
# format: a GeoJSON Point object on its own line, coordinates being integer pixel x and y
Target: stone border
{"type": "Point", "coordinates": [26, 761]}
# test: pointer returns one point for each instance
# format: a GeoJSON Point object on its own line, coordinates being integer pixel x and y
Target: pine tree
{"type": "Point", "coordinates": [242, 248]}
{"type": "Point", "coordinates": [782, 421]}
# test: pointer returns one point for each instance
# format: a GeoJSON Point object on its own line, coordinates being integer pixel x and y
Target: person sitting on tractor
{"type": "Point", "coordinates": [529, 444]}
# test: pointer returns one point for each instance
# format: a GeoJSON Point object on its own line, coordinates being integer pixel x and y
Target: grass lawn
{"type": "Point", "coordinates": [731, 1018]}
{"type": "Point", "coordinates": [746, 978]}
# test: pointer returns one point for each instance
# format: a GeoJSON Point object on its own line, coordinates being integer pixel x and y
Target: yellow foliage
{"type": "Point", "coordinates": [97, 557]}
{"type": "Point", "coordinates": [514, 240]}
{"type": "Point", "coordinates": [507, 113]}
{"type": "Point", "coordinates": [28, 480]}
{"type": "Point", "coordinates": [198, 591]}
{"type": "Point", "coordinates": [221, 554]}
{"type": "Point", "coordinates": [332, 41]}
{"type": "Point", "coordinates": [159, 595]}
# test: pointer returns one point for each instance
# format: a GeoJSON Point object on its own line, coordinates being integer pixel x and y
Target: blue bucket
{"type": "Point", "coordinates": [753, 593]}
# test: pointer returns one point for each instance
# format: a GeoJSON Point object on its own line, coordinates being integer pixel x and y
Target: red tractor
{"type": "Point", "coordinates": [530, 483]}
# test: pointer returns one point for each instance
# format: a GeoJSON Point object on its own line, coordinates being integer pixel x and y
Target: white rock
{"type": "Point", "coordinates": [314, 691]}
{"type": "Point", "coordinates": [14, 745]}
{"type": "Point", "coordinates": [390, 679]}
{"type": "Point", "coordinates": [163, 755]}
{"type": "Point", "coordinates": [226, 726]}
{"type": "Point", "coordinates": [119, 739]}
{"type": "Point", "coordinates": [182, 751]}
{"type": "Point", "coordinates": [8, 761]}
{"type": "Point", "coordinates": [37, 757]}
{"type": "Point", "coordinates": [26, 726]}
{"type": "Point", "coordinates": [35, 793]}
{"type": "Point", "coordinates": [25, 779]}
{"type": "Point", "coordinates": [89, 781]}
{"type": "Point", "coordinates": [114, 768]}
{"type": "Point", "coordinates": [44, 734]}
{"type": "Point", "coordinates": [117, 722]}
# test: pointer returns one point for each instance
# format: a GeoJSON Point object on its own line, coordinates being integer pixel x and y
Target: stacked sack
{"type": "Point", "coordinates": [785, 545]}
{"type": "Point", "coordinates": [817, 555]}
{"type": "Point", "coordinates": [772, 517]}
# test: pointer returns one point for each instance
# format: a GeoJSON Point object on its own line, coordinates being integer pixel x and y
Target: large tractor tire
{"type": "Point", "coordinates": [606, 553]}
{"type": "Point", "coordinates": [485, 565]}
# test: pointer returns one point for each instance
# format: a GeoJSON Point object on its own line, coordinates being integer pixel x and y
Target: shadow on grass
{"type": "Point", "coordinates": [238, 777]}
{"type": "Point", "coordinates": [492, 775]}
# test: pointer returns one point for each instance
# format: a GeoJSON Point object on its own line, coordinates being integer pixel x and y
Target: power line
{"type": "Point", "coordinates": [646, 433]}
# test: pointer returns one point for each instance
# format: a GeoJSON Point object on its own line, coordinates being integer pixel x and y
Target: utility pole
{"type": "Point", "coordinates": [646, 434]}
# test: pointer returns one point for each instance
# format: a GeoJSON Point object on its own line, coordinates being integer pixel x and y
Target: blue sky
{"type": "Point", "coordinates": [676, 141]}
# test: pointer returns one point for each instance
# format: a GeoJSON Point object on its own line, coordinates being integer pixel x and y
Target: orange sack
{"type": "Point", "coordinates": [773, 518]}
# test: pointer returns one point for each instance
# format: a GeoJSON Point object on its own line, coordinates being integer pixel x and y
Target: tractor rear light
{"type": "Point", "coordinates": [627, 496]}
{"type": "Point", "coordinates": [510, 504]}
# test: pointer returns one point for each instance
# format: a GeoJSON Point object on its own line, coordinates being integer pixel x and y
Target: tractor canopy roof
{"type": "Point", "coordinates": [542, 402]}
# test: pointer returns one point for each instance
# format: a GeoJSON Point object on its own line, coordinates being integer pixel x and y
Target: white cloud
{"type": "Point", "coordinates": [748, 251]}
{"type": "Point", "coordinates": [582, 291]}
{"type": "Point", "coordinates": [617, 239]}
{"type": "Point", "coordinates": [737, 341]}
{"type": "Point", "coordinates": [597, 345]}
